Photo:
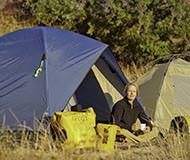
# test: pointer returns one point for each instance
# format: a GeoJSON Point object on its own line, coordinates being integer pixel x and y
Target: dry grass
{"type": "Point", "coordinates": [24, 146]}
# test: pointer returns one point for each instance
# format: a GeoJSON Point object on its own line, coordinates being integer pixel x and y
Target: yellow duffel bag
{"type": "Point", "coordinates": [187, 118]}
{"type": "Point", "coordinates": [106, 136]}
{"type": "Point", "coordinates": [79, 128]}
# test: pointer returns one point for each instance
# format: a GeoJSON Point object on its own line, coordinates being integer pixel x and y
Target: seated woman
{"type": "Point", "coordinates": [126, 111]}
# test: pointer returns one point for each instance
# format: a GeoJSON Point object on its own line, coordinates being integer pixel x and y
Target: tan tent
{"type": "Point", "coordinates": [165, 92]}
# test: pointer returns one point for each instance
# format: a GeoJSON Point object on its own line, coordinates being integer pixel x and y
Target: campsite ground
{"type": "Point", "coordinates": [43, 148]}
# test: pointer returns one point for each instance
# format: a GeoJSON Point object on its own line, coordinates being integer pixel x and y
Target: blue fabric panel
{"type": "Point", "coordinates": [21, 95]}
{"type": "Point", "coordinates": [70, 57]}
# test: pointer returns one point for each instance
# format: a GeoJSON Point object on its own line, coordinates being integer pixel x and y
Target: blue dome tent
{"type": "Point", "coordinates": [42, 67]}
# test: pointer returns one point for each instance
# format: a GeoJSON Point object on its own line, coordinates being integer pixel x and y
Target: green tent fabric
{"type": "Point", "coordinates": [165, 92]}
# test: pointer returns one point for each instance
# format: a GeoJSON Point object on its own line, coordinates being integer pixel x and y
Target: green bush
{"type": "Point", "coordinates": [138, 31]}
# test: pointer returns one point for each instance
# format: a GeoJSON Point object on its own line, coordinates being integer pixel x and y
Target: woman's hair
{"type": "Point", "coordinates": [127, 87]}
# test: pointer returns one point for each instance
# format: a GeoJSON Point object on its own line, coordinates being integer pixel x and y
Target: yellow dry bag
{"type": "Point", "coordinates": [78, 126]}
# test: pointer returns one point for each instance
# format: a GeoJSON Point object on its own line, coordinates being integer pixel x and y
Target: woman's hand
{"type": "Point", "coordinates": [136, 126]}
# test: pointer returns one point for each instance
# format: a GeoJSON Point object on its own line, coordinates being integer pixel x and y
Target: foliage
{"type": "Point", "coordinates": [65, 14]}
{"type": "Point", "coordinates": [10, 24]}
{"type": "Point", "coordinates": [138, 31]}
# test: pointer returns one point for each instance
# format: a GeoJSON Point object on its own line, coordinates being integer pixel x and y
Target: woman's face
{"type": "Point", "coordinates": [131, 93]}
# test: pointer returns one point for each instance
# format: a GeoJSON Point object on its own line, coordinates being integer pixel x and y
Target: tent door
{"type": "Point", "coordinates": [90, 94]}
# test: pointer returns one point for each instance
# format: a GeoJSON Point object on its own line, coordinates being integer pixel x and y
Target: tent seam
{"type": "Point", "coordinates": [46, 70]}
